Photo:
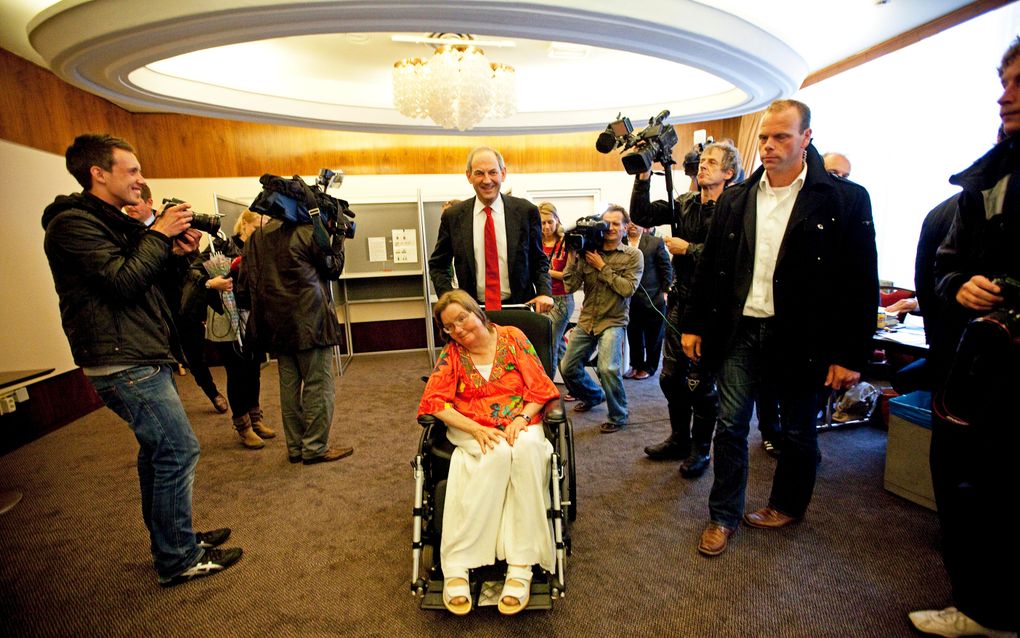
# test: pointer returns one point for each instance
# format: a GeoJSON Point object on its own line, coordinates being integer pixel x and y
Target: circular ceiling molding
{"type": "Point", "coordinates": [129, 57]}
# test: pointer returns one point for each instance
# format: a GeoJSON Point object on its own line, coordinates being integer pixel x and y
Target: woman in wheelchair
{"type": "Point", "coordinates": [489, 387]}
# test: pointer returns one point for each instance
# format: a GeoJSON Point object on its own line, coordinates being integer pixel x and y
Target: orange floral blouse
{"type": "Point", "coordinates": [517, 379]}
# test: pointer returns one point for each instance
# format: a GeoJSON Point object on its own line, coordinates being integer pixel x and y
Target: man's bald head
{"type": "Point", "coordinates": [837, 164]}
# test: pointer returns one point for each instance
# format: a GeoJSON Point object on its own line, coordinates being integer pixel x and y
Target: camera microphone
{"type": "Point", "coordinates": [606, 142]}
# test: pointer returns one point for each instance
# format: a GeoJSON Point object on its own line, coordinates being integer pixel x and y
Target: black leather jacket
{"type": "Point", "coordinates": [693, 227]}
{"type": "Point", "coordinates": [108, 270]}
{"type": "Point", "coordinates": [284, 279]}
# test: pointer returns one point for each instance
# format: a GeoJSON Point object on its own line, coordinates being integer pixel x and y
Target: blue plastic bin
{"type": "Point", "coordinates": [914, 407]}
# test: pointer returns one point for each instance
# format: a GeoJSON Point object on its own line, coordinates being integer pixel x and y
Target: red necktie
{"type": "Point", "coordinates": [493, 296]}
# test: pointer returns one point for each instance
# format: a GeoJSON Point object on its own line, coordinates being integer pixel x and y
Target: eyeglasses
{"type": "Point", "coordinates": [450, 327]}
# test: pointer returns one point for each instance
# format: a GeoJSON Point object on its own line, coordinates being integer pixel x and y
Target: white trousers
{"type": "Point", "coordinates": [496, 503]}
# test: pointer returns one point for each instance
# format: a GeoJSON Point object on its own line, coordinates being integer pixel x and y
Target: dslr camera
{"type": "Point", "coordinates": [205, 222]}
{"type": "Point", "coordinates": [654, 143]}
{"type": "Point", "coordinates": [587, 235]}
{"type": "Point", "coordinates": [985, 348]}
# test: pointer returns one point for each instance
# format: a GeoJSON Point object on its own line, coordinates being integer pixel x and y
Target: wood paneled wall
{"type": "Point", "coordinates": [39, 110]}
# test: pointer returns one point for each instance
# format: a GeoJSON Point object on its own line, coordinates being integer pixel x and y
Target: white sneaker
{"type": "Point", "coordinates": [952, 622]}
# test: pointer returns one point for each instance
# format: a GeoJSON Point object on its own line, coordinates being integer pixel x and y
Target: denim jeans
{"type": "Point", "coordinates": [563, 307]}
{"type": "Point", "coordinates": [306, 400]}
{"type": "Point", "coordinates": [146, 397]}
{"type": "Point", "coordinates": [609, 367]}
{"type": "Point", "coordinates": [752, 365]}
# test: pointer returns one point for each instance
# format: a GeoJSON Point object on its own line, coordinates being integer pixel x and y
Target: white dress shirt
{"type": "Point", "coordinates": [478, 227]}
{"type": "Point", "coordinates": [774, 208]}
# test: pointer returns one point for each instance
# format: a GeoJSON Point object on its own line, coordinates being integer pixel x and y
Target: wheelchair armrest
{"type": "Point", "coordinates": [555, 415]}
{"type": "Point", "coordinates": [426, 420]}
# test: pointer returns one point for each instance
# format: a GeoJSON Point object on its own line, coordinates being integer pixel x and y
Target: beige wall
{"type": "Point", "coordinates": [30, 332]}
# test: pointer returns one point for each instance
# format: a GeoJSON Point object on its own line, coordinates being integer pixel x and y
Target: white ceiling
{"type": "Point", "coordinates": [328, 64]}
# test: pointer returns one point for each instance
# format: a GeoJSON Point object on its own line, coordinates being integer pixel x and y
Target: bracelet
{"type": "Point", "coordinates": [526, 418]}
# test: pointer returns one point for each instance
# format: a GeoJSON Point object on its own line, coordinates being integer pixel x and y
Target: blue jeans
{"type": "Point", "coordinates": [609, 368]}
{"type": "Point", "coordinates": [563, 307]}
{"type": "Point", "coordinates": [146, 397]}
{"type": "Point", "coordinates": [751, 366]}
{"type": "Point", "coordinates": [306, 400]}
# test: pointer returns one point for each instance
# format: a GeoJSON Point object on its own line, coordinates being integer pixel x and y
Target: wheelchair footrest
{"type": "Point", "coordinates": [487, 594]}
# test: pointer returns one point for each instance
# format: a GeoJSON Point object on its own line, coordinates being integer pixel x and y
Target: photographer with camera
{"type": "Point", "coordinates": [689, 390]}
{"type": "Point", "coordinates": [106, 269]}
{"type": "Point", "coordinates": [976, 358]}
{"type": "Point", "coordinates": [285, 277]}
{"type": "Point", "coordinates": [608, 271]}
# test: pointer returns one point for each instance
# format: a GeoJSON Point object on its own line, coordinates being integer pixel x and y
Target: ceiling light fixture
{"type": "Point", "coordinates": [457, 87]}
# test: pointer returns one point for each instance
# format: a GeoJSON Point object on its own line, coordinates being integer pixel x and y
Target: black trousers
{"type": "Point", "coordinates": [975, 476]}
{"type": "Point", "coordinates": [645, 334]}
{"type": "Point", "coordinates": [690, 392]}
{"type": "Point", "coordinates": [244, 372]}
{"type": "Point", "coordinates": [192, 335]}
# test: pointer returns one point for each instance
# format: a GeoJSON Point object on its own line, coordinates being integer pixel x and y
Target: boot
{"type": "Point", "coordinates": [695, 465]}
{"type": "Point", "coordinates": [259, 425]}
{"type": "Point", "coordinates": [668, 450]}
{"type": "Point", "coordinates": [249, 439]}
{"type": "Point", "coordinates": [678, 444]}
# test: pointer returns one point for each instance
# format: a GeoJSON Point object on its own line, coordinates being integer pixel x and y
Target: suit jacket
{"type": "Point", "coordinates": [528, 265]}
{"type": "Point", "coordinates": [825, 286]}
{"type": "Point", "coordinates": [658, 273]}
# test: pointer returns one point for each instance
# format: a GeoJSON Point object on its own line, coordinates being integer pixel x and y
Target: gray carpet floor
{"type": "Point", "coordinates": [327, 547]}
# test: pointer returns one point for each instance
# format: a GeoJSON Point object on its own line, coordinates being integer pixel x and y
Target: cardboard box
{"type": "Point", "coordinates": [907, 468]}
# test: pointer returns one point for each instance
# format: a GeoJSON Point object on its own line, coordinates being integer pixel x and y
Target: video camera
{"type": "Point", "coordinates": [284, 199]}
{"type": "Point", "coordinates": [587, 235]}
{"type": "Point", "coordinates": [654, 143]}
{"type": "Point", "coordinates": [206, 222]}
{"type": "Point", "coordinates": [692, 159]}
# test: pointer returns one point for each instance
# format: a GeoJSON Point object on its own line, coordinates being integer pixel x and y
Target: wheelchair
{"type": "Point", "coordinates": [431, 467]}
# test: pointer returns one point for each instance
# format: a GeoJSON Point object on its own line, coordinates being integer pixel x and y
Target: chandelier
{"type": "Point", "coordinates": [457, 87]}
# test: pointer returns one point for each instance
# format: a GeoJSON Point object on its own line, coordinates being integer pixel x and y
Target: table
{"type": "Point", "coordinates": [906, 338]}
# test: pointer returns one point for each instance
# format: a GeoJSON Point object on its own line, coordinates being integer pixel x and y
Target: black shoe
{"type": "Point", "coordinates": [668, 450]}
{"type": "Point", "coordinates": [294, 459]}
{"type": "Point", "coordinates": [771, 447]}
{"type": "Point", "coordinates": [609, 428]}
{"type": "Point", "coordinates": [212, 562]}
{"type": "Point", "coordinates": [694, 465]}
{"type": "Point", "coordinates": [212, 538]}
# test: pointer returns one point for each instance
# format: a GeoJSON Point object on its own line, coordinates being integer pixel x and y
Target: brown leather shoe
{"type": "Point", "coordinates": [714, 539]}
{"type": "Point", "coordinates": [332, 454]}
{"type": "Point", "coordinates": [768, 518]}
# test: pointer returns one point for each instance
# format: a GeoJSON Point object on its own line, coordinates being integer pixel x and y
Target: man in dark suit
{"type": "Point", "coordinates": [790, 241]}
{"type": "Point", "coordinates": [648, 305]}
{"type": "Point", "coordinates": [516, 269]}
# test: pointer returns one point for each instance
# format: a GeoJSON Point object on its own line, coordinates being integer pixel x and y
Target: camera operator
{"type": "Point", "coordinates": [973, 466]}
{"type": "Point", "coordinates": [686, 394]}
{"type": "Point", "coordinates": [285, 278]}
{"type": "Point", "coordinates": [608, 276]}
{"type": "Point", "coordinates": [106, 268]}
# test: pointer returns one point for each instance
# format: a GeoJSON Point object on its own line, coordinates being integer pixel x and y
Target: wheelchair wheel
{"type": "Point", "coordinates": [569, 488]}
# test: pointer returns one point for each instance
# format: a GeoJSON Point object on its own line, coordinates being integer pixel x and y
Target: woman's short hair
{"type": "Point", "coordinates": [246, 217]}
{"type": "Point", "coordinates": [465, 300]}
{"type": "Point", "coordinates": [548, 208]}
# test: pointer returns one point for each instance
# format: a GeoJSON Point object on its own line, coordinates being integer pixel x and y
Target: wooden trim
{"type": "Point", "coordinates": [905, 39]}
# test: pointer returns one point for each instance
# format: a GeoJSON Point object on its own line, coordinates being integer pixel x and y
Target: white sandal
{"type": "Point", "coordinates": [458, 590]}
{"type": "Point", "coordinates": [517, 585]}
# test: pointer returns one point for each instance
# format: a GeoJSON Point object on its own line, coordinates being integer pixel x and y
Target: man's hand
{"type": "Point", "coordinates": [979, 293]}
{"type": "Point", "coordinates": [676, 245]}
{"type": "Point", "coordinates": [542, 303]}
{"type": "Point", "coordinates": [173, 221]}
{"type": "Point", "coordinates": [840, 378]}
{"type": "Point", "coordinates": [691, 345]}
{"type": "Point", "coordinates": [901, 306]}
{"type": "Point", "coordinates": [595, 259]}
{"type": "Point", "coordinates": [187, 242]}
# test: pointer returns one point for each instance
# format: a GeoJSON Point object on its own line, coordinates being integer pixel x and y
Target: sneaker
{"type": "Point", "coordinates": [213, 561]}
{"type": "Point", "coordinates": [952, 622]}
{"type": "Point", "coordinates": [212, 538]}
